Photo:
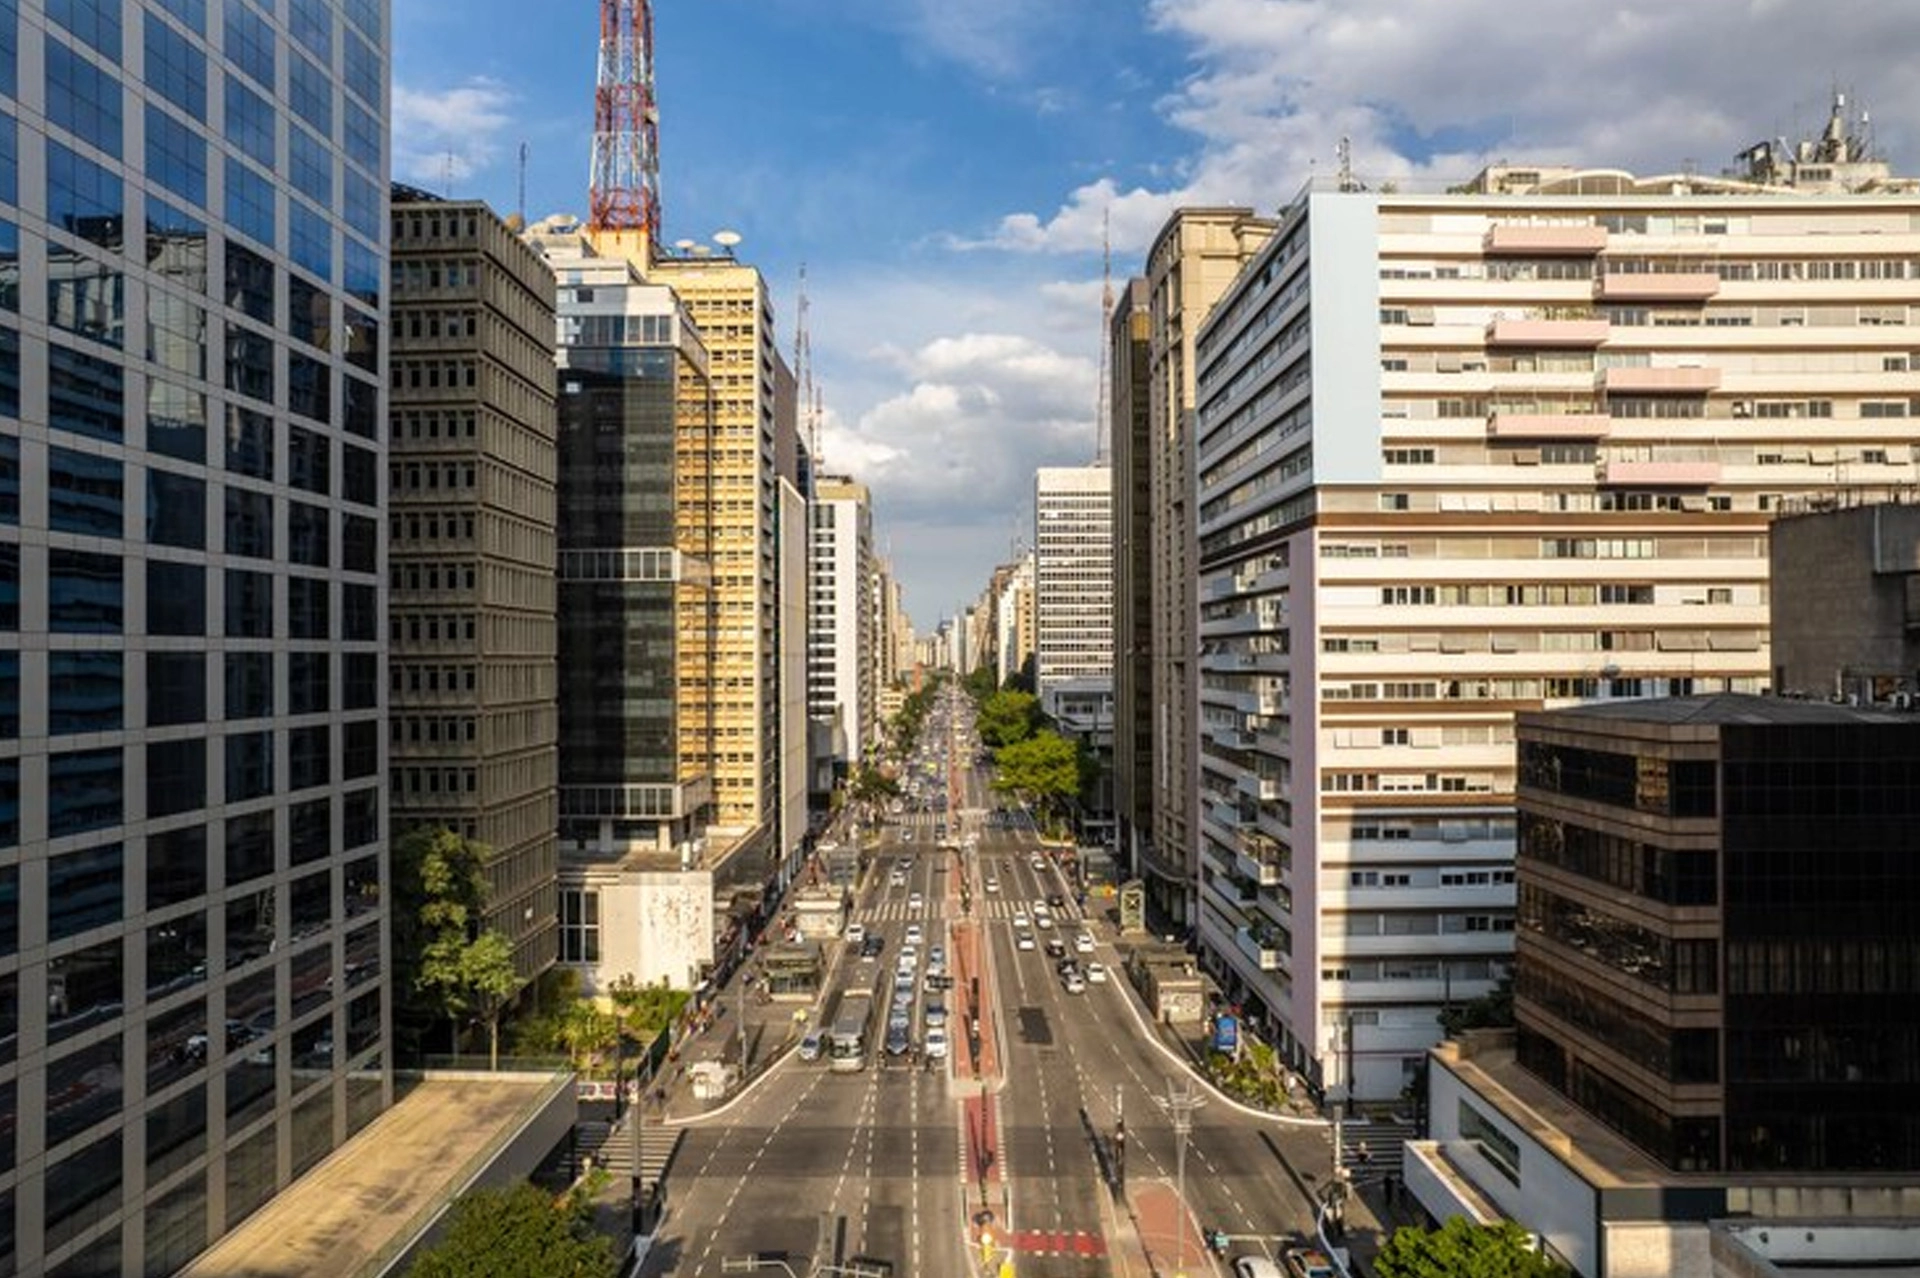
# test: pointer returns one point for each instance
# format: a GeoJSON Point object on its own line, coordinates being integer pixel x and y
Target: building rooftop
{"type": "Point", "coordinates": [366, 1204]}
{"type": "Point", "coordinates": [1727, 707]}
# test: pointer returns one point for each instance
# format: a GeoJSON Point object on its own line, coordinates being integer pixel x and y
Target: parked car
{"type": "Point", "coordinates": [1256, 1267]}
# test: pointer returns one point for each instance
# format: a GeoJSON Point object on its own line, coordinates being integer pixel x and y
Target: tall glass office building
{"type": "Point", "coordinates": [192, 468]}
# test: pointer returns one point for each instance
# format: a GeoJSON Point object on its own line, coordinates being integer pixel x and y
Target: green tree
{"type": "Point", "coordinates": [644, 1010]}
{"type": "Point", "coordinates": [869, 784]}
{"type": "Point", "coordinates": [1043, 769]}
{"type": "Point", "coordinates": [1462, 1249]}
{"type": "Point", "coordinates": [509, 1233]}
{"type": "Point", "coordinates": [440, 892]}
{"type": "Point", "coordinates": [472, 980]}
{"type": "Point", "coordinates": [1008, 718]}
{"type": "Point", "coordinates": [979, 684]}
{"type": "Point", "coordinates": [1492, 1010]}
{"type": "Point", "coordinates": [589, 1035]}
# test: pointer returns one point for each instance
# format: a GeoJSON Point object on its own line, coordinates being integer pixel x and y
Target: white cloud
{"type": "Point", "coordinates": [443, 137]}
{"type": "Point", "coordinates": [1428, 93]}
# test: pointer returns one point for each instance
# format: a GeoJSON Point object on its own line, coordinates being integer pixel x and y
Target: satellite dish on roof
{"type": "Point", "coordinates": [727, 239]}
{"type": "Point", "coordinates": [685, 246]}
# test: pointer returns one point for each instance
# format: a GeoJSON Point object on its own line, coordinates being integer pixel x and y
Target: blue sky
{"type": "Point", "coordinates": [943, 168]}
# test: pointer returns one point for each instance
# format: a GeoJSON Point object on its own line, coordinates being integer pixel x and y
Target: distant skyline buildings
{"type": "Point", "coordinates": [1072, 574]}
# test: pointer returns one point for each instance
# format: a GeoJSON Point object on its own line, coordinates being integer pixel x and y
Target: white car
{"type": "Point", "coordinates": [1043, 921]}
{"type": "Point", "coordinates": [856, 933]}
{"type": "Point", "coordinates": [1024, 941]}
{"type": "Point", "coordinates": [1075, 983]}
{"type": "Point", "coordinates": [993, 885]}
{"type": "Point", "coordinates": [916, 902]}
{"type": "Point", "coordinates": [1096, 974]}
{"type": "Point", "coordinates": [909, 959]}
{"type": "Point", "coordinates": [1020, 923]}
{"type": "Point", "coordinates": [913, 934]}
{"type": "Point", "coordinates": [936, 1043]}
{"type": "Point", "coordinates": [1083, 943]}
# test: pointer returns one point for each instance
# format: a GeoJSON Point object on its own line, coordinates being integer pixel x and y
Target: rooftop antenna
{"type": "Point", "coordinates": [624, 188]}
{"type": "Point", "coordinates": [803, 373]}
{"type": "Point", "coordinates": [1103, 394]}
{"type": "Point", "coordinates": [521, 201]}
{"type": "Point", "coordinates": [1345, 153]}
{"type": "Point", "coordinates": [446, 174]}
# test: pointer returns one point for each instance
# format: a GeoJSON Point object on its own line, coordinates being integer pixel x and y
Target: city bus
{"type": "Point", "coordinates": [847, 1044]}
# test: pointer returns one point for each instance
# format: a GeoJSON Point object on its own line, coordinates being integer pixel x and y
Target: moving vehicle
{"type": "Point", "coordinates": [1020, 923]}
{"type": "Point", "coordinates": [1303, 1262]}
{"type": "Point", "coordinates": [856, 933]}
{"type": "Point", "coordinates": [1056, 948]}
{"type": "Point", "coordinates": [1074, 982]}
{"type": "Point", "coordinates": [937, 1044]}
{"type": "Point", "coordinates": [993, 885]}
{"type": "Point", "coordinates": [847, 1044]}
{"type": "Point", "coordinates": [1024, 941]}
{"type": "Point", "coordinates": [916, 902]}
{"type": "Point", "coordinates": [872, 945]}
{"type": "Point", "coordinates": [914, 934]}
{"type": "Point", "coordinates": [811, 1045]}
{"type": "Point", "coordinates": [1083, 943]}
{"type": "Point", "coordinates": [1096, 974]}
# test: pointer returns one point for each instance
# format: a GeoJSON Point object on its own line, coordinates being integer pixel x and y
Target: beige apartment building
{"type": "Point", "coordinates": [1193, 261]}
{"type": "Point", "coordinates": [471, 553]}
{"type": "Point", "coordinates": [1508, 447]}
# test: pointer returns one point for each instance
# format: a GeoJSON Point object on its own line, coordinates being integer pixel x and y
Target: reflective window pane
{"type": "Point", "coordinates": [84, 594]}
{"type": "Point", "coordinates": [85, 692]}
{"type": "Point", "coordinates": [176, 688]}
{"type": "Point", "coordinates": [84, 199]}
{"type": "Point", "coordinates": [176, 776]}
{"type": "Point", "coordinates": [249, 685]}
{"type": "Point", "coordinates": [83, 990]}
{"type": "Point", "coordinates": [85, 394]}
{"type": "Point", "coordinates": [176, 598]}
{"type": "Point", "coordinates": [176, 510]}
{"type": "Point", "coordinates": [176, 866]}
{"type": "Point", "coordinates": [175, 69]}
{"type": "Point", "coordinates": [249, 766]}
{"type": "Point", "coordinates": [85, 493]}
{"type": "Point", "coordinates": [82, 98]}
{"type": "Point", "coordinates": [176, 156]}
{"type": "Point", "coordinates": [85, 890]}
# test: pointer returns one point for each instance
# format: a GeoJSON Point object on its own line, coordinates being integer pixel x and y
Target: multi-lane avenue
{"type": "Point", "coordinates": [814, 1166]}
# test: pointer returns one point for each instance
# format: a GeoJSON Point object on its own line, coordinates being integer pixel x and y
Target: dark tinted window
{"type": "Point", "coordinates": [249, 685]}
{"type": "Point", "coordinates": [176, 510]}
{"type": "Point", "coordinates": [249, 605]}
{"type": "Point", "coordinates": [83, 592]}
{"type": "Point", "coordinates": [249, 847]}
{"type": "Point", "coordinates": [176, 598]}
{"type": "Point", "coordinates": [85, 493]}
{"type": "Point", "coordinates": [85, 395]}
{"type": "Point", "coordinates": [83, 791]}
{"type": "Point", "coordinates": [85, 692]}
{"type": "Point", "coordinates": [84, 890]}
{"type": "Point", "coordinates": [249, 766]}
{"type": "Point", "coordinates": [176, 866]}
{"type": "Point", "coordinates": [176, 688]}
{"type": "Point", "coordinates": [176, 776]}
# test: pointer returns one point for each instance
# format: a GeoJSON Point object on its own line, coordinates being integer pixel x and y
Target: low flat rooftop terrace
{"type": "Point", "coordinates": [368, 1201]}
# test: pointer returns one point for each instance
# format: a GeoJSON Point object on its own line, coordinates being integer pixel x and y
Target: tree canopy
{"type": "Point", "coordinates": [1007, 718]}
{"type": "Point", "coordinates": [509, 1233]}
{"type": "Point", "coordinates": [980, 683]}
{"type": "Point", "coordinates": [1044, 769]}
{"type": "Point", "coordinates": [1462, 1249]}
{"type": "Point", "coordinates": [453, 968]}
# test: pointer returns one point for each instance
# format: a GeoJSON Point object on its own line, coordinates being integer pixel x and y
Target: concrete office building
{"type": "Point", "coordinates": [1492, 449]}
{"type": "Point", "coordinates": [1846, 602]}
{"type": "Point", "coordinates": [1196, 257]}
{"type": "Point", "coordinates": [1128, 349]}
{"type": "Point", "coordinates": [1717, 994]}
{"type": "Point", "coordinates": [638, 875]}
{"type": "Point", "coordinates": [192, 574]}
{"type": "Point", "coordinates": [473, 722]}
{"type": "Point", "coordinates": [842, 632]}
{"type": "Point", "coordinates": [1013, 615]}
{"type": "Point", "coordinates": [1072, 574]}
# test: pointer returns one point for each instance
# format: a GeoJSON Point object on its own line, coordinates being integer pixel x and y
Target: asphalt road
{"type": "Point", "coordinates": [812, 1164]}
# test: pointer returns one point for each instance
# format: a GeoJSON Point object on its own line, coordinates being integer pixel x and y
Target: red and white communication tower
{"type": "Point", "coordinates": [625, 186]}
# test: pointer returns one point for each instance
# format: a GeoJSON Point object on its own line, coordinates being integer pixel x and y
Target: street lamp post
{"type": "Point", "coordinates": [1180, 1102]}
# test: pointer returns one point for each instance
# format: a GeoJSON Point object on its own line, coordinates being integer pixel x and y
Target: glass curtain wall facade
{"type": "Point", "coordinates": [192, 770]}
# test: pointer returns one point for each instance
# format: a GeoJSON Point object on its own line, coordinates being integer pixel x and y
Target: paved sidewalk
{"type": "Point", "coordinates": [1162, 1221]}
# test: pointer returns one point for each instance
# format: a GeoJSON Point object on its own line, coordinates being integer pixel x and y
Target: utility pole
{"type": "Point", "coordinates": [1180, 1103]}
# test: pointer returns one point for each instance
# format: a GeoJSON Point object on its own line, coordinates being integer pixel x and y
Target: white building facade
{"type": "Point", "coordinates": [842, 617]}
{"type": "Point", "coordinates": [1474, 452]}
{"type": "Point", "coordinates": [1072, 574]}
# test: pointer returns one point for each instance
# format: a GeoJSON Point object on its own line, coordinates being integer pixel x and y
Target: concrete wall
{"type": "Point", "coordinates": [1839, 599]}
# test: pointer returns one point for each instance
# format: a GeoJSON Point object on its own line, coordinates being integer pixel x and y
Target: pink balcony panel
{"type": "Point", "coordinates": [1660, 381]}
{"type": "Point", "coordinates": [1520, 239]}
{"type": "Point", "coordinates": [1549, 426]}
{"type": "Point", "coordinates": [1661, 474]}
{"type": "Point", "coordinates": [1547, 332]}
{"type": "Point", "coordinates": [1689, 286]}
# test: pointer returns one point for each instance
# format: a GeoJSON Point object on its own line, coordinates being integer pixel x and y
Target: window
{"type": "Point", "coordinates": [250, 208]}
{"type": "Point", "coordinates": [96, 22]}
{"type": "Point", "coordinates": [176, 156]}
{"type": "Point", "coordinates": [249, 766]}
{"type": "Point", "coordinates": [311, 836]}
{"type": "Point", "coordinates": [250, 363]}
{"type": "Point", "coordinates": [176, 776]}
{"type": "Point", "coordinates": [250, 850]}
{"type": "Point", "coordinates": [249, 524]}
{"type": "Point", "coordinates": [176, 510]}
{"type": "Point", "coordinates": [176, 69]}
{"type": "Point", "coordinates": [83, 791]}
{"type": "Point", "coordinates": [251, 124]}
{"type": "Point", "coordinates": [86, 298]}
{"type": "Point", "coordinates": [85, 395]}
{"type": "Point", "coordinates": [249, 443]}
{"type": "Point", "coordinates": [176, 598]}
{"type": "Point", "coordinates": [309, 534]}
{"type": "Point", "coordinates": [308, 681]}
{"type": "Point", "coordinates": [84, 199]}
{"type": "Point", "coordinates": [176, 866]}
{"type": "Point", "coordinates": [310, 93]}
{"type": "Point", "coordinates": [579, 927]}
{"type": "Point", "coordinates": [176, 688]}
{"type": "Point", "coordinates": [84, 692]}
{"type": "Point", "coordinates": [83, 592]}
{"type": "Point", "coordinates": [84, 494]}
{"type": "Point", "coordinates": [249, 605]}
{"type": "Point", "coordinates": [249, 42]}
{"type": "Point", "coordinates": [82, 98]}
{"type": "Point", "coordinates": [309, 756]}
{"type": "Point", "coordinates": [84, 891]}
{"type": "Point", "coordinates": [307, 608]}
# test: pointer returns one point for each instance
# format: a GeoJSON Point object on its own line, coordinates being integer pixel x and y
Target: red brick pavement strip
{"type": "Point", "coordinates": [1161, 1217]}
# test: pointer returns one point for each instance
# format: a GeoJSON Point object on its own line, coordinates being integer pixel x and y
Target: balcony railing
{"type": "Point", "coordinates": [1660, 381]}
{"type": "Point", "coordinates": [1503, 425]}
